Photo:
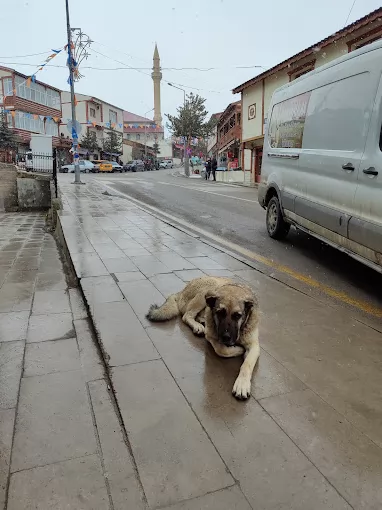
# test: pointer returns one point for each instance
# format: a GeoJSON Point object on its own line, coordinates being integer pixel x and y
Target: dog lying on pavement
{"type": "Point", "coordinates": [226, 313]}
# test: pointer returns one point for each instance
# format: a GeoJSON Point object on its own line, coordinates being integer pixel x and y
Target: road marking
{"type": "Point", "coordinates": [307, 280]}
{"type": "Point", "coordinates": [208, 191]}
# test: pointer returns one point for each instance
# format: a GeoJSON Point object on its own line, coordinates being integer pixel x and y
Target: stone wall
{"type": "Point", "coordinates": [33, 191]}
{"type": "Point", "coordinates": [8, 187]}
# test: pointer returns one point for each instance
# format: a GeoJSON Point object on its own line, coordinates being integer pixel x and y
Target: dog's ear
{"type": "Point", "coordinates": [211, 300]}
{"type": "Point", "coordinates": [248, 305]}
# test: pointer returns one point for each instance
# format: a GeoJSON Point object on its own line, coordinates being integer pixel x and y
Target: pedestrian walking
{"type": "Point", "coordinates": [214, 165]}
{"type": "Point", "coordinates": [208, 168]}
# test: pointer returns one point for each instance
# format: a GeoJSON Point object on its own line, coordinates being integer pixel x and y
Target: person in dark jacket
{"type": "Point", "coordinates": [214, 165]}
{"type": "Point", "coordinates": [208, 169]}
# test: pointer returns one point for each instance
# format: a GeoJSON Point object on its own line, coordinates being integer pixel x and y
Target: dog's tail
{"type": "Point", "coordinates": [167, 311]}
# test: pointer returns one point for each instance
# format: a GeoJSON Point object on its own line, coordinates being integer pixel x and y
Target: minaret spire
{"type": "Point", "coordinates": [157, 77]}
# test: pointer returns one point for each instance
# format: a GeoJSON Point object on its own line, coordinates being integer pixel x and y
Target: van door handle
{"type": "Point", "coordinates": [370, 171]}
{"type": "Point", "coordinates": [348, 166]}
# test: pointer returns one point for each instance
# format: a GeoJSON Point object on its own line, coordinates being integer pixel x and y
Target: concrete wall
{"type": "Point", "coordinates": [33, 192]}
{"type": "Point", "coordinates": [8, 187]}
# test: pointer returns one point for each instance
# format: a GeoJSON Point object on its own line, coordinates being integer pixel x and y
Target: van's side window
{"type": "Point", "coordinates": [339, 114]}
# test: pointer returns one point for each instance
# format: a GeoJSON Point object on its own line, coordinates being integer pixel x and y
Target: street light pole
{"type": "Point", "coordinates": [185, 156]}
{"type": "Point", "coordinates": [77, 175]}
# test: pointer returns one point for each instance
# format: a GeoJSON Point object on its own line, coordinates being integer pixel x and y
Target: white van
{"type": "Point", "coordinates": [322, 159]}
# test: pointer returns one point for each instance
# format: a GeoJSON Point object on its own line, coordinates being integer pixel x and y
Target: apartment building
{"type": "Point", "coordinates": [32, 106]}
{"type": "Point", "coordinates": [256, 93]}
{"type": "Point", "coordinates": [94, 115]}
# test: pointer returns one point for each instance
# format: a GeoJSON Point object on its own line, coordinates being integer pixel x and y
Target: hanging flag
{"type": "Point", "coordinates": [120, 126]}
{"type": "Point", "coordinates": [33, 78]}
{"type": "Point", "coordinates": [15, 91]}
{"type": "Point", "coordinates": [28, 115]}
{"type": "Point", "coordinates": [42, 117]}
{"type": "Point", "coordinates": [56, 51]}
{"type": "Point", "coordinates": [28, 82]}
{"type": "Point", "coordinates": [56, 119]}
{"type": "Point", "coordinates": [69, 81]}
{"type": "Point", "coordinates": [113, 125]}
{"type": "Point", "coordinates": [94, 124]}
{"type": "Point", "coordinates": [75, 101]}
{"type": "Point", "coordinates": [13, 113]}
{"type": "Point", "coordinates": [40, 68]}
{"type": "Point", "coordinates": [48, 117]}
{"type": "Point", "coordinates": [35, 116]}
{"type": "Point", "coordinates": [6, 111]}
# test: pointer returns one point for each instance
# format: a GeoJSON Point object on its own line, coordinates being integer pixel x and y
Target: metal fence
{"type": "Point", "coordinates": [44, 163]}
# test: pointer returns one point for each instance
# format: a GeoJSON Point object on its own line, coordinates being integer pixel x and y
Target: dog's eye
{"type": "Point", "coordinates": [222, 312]}
{"type": "Point", "coordinates": [236, 316]}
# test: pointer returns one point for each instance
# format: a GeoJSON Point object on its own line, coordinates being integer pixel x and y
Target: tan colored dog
{"type": "Point", "coordinates": [226, 313]}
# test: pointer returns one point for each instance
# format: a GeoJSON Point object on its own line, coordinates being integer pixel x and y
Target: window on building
{"type": "Point", "coordinates": [363, 40]}
{"type": "Point", "coordinates": [29, 122]}
{"type": "Point", "coordinates": [92, 112]}
{"type": "Point", "coordinates": [301, 70]}
{"type": "Point", "coordinates": [127, 136]}
{"type": "Point", "coordinates": [37, 93]}
{"type": "Point", "coordinates": [51, 128]}
{"type": "Point", "coordinates": [137, 136]}
{"type": "Point", "coordinates": [7, 87]}
{"type": "Point", "coordinates": [112, 117]}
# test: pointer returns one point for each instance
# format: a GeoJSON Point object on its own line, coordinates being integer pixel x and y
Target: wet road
{"type": "Point", "coordinates": [233, 213]}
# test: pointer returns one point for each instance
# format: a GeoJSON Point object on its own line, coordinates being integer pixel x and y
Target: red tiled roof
{"type": "Point", "coordinates": [372, 16]}
{"type": "Point", "coordinates": [132, 117]}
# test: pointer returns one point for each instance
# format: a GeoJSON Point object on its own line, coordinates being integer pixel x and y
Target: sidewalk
{"type": "Point", "coordinates": [61, 441]}
{"type": "Point", "coordinates": [311, 436]}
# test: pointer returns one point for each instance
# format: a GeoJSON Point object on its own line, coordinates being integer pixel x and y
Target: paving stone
{"type": "Point", "coordinates": [51, 356]}
{"type": "Point", "coordinates": [174, 261]}
{"type": "Point", "coordinates": [11, 364]}
{"type": "Point", "coordinates": [205, 263]}
{"type": "Point", "coordinates": [349, 460]}
{"type": "Point", "coordinates": [130, 276]}
{"type": "Point", "coordinates": [120, 265]}
{"type": "Point", "coordinates": [225, 499]}
{"type": "Point", "coordinates": [108, 250]}
{"type": "Point", "coordinates": [225, 273]}
{"type": "Point", "coordinates": [100, 289]}
{"type": "Point", "coordinates": [136, 252]}
{"type": "Point", "coordinates": [16, 276]}
{"type": "Point", "coordinates": [175, 462]}
{"type": "Point", "coordinates": [167, 284]}
{"type": "Point", "coordinates": [228, 262]}
{"type": "Point", "coordinates": [88, 264]}
{"type": "Point", "coordinates": [54, 326]}
{"type": "Point", "coordinates": [77, 304]}
{"type": "Point", "coordinates": [53, 421]}
{"type": "Point", "coordinates": [141, 295]}
{"type": "Point", "coordinates": [51, 281]}
{"type": "Point", "coordinates": [150, 265]}
{"type": "Point", "coordinates": [7, 418]}
{"type": "Point", "coordinates": [122, 336]}
{"type": "Point", "coordinates": [124, 485]}
{"type": "Point", "coordinates": [50, 301]}
{"type": "Point", "coordinates": [190, 274]}
{"type": "Point", "coordinates": [13, 326]}
{"type": "Point", "coordinates": [16, 296]}
{"type": "Point", "coordinates": [73, 484]}
{"type": "Point", "coordinates": [27, 264]}
{"type": "Point", "coordinates": [273, 472]}
{"type": "Point", "coordinates": [90, 360]}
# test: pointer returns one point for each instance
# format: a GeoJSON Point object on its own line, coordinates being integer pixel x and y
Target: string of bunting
{"type": "Point", "coordinates": [137, 126]}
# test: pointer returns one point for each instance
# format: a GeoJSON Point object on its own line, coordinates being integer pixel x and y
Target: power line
{"type": "Point", "coordinates": [31, 55]}
{"type": "Point", "coordinates": [351, 8]}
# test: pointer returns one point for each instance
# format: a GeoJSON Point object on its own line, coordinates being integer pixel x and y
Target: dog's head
{"type": "Point", "coordinates": [231, 307]}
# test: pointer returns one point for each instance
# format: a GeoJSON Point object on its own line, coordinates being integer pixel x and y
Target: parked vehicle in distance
{"type": "Point", "coordinates": [102, 165]}
{"type": "Point", "coordinates": [322, 164]}
{"type": "Point", "coordinates": [116, 167]}
{"type": "Point", "coordinates": [85, 167]}
{"type": "Point", "coordinates": [163, 164]}
{"type": "Point", "coordinates": [137, 165]}
{"type": "Point", "coordinates": [166, 163]}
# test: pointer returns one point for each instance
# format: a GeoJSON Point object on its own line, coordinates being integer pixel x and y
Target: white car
{"type": "Point", "coordinates": [85, 167]}
{"type": "Point", "coordinates": [166, 163]}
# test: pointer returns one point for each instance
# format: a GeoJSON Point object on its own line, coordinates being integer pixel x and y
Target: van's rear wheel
{"type": "Point", "coordinates": [276, 226]}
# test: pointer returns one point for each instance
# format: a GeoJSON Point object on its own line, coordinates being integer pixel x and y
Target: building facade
{"type": "Point", "coordinates": [256, 93]}
{"type": "Point", "coordinates": [228, 136]}
{"type": "Point", "coordinates": [95, 116]}
{"type": "Point", "coordinates": [32, 107]}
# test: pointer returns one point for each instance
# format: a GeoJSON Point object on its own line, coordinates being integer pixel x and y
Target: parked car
{"type": "Point", "coordinates": [322, 166]}
{"type": "Point", "coordinates": [137, 165]}
{"type": "Point", "coordinates": [85, 167]}
{"type": "Point", "coordinates": [163, 164]}
{"type": "Point", "coordinates": [102, 165]}
{"type": "Point", "coordinates": [116, 167]}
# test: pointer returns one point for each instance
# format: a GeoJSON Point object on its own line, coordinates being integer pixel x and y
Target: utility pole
{"type": "Point", "coordinates": [77, 175]}
{"type": "Point", "coordinates": [185, 156]}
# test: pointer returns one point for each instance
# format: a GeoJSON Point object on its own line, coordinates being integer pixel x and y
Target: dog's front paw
{"type": "Point", "coordinates": [198, 329]}
{"type": "Point", "coordinates": [242, 388]}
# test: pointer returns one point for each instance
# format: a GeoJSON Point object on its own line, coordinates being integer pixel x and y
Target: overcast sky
{"type": "Point", "coordinates": [197, 33]}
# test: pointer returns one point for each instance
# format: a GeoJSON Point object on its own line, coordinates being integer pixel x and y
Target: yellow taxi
{"type": "Point", "coordinates": [102, 165]}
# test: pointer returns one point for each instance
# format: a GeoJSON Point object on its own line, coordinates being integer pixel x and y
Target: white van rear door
{"type": "Point", "coordinates": [365, 227]}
